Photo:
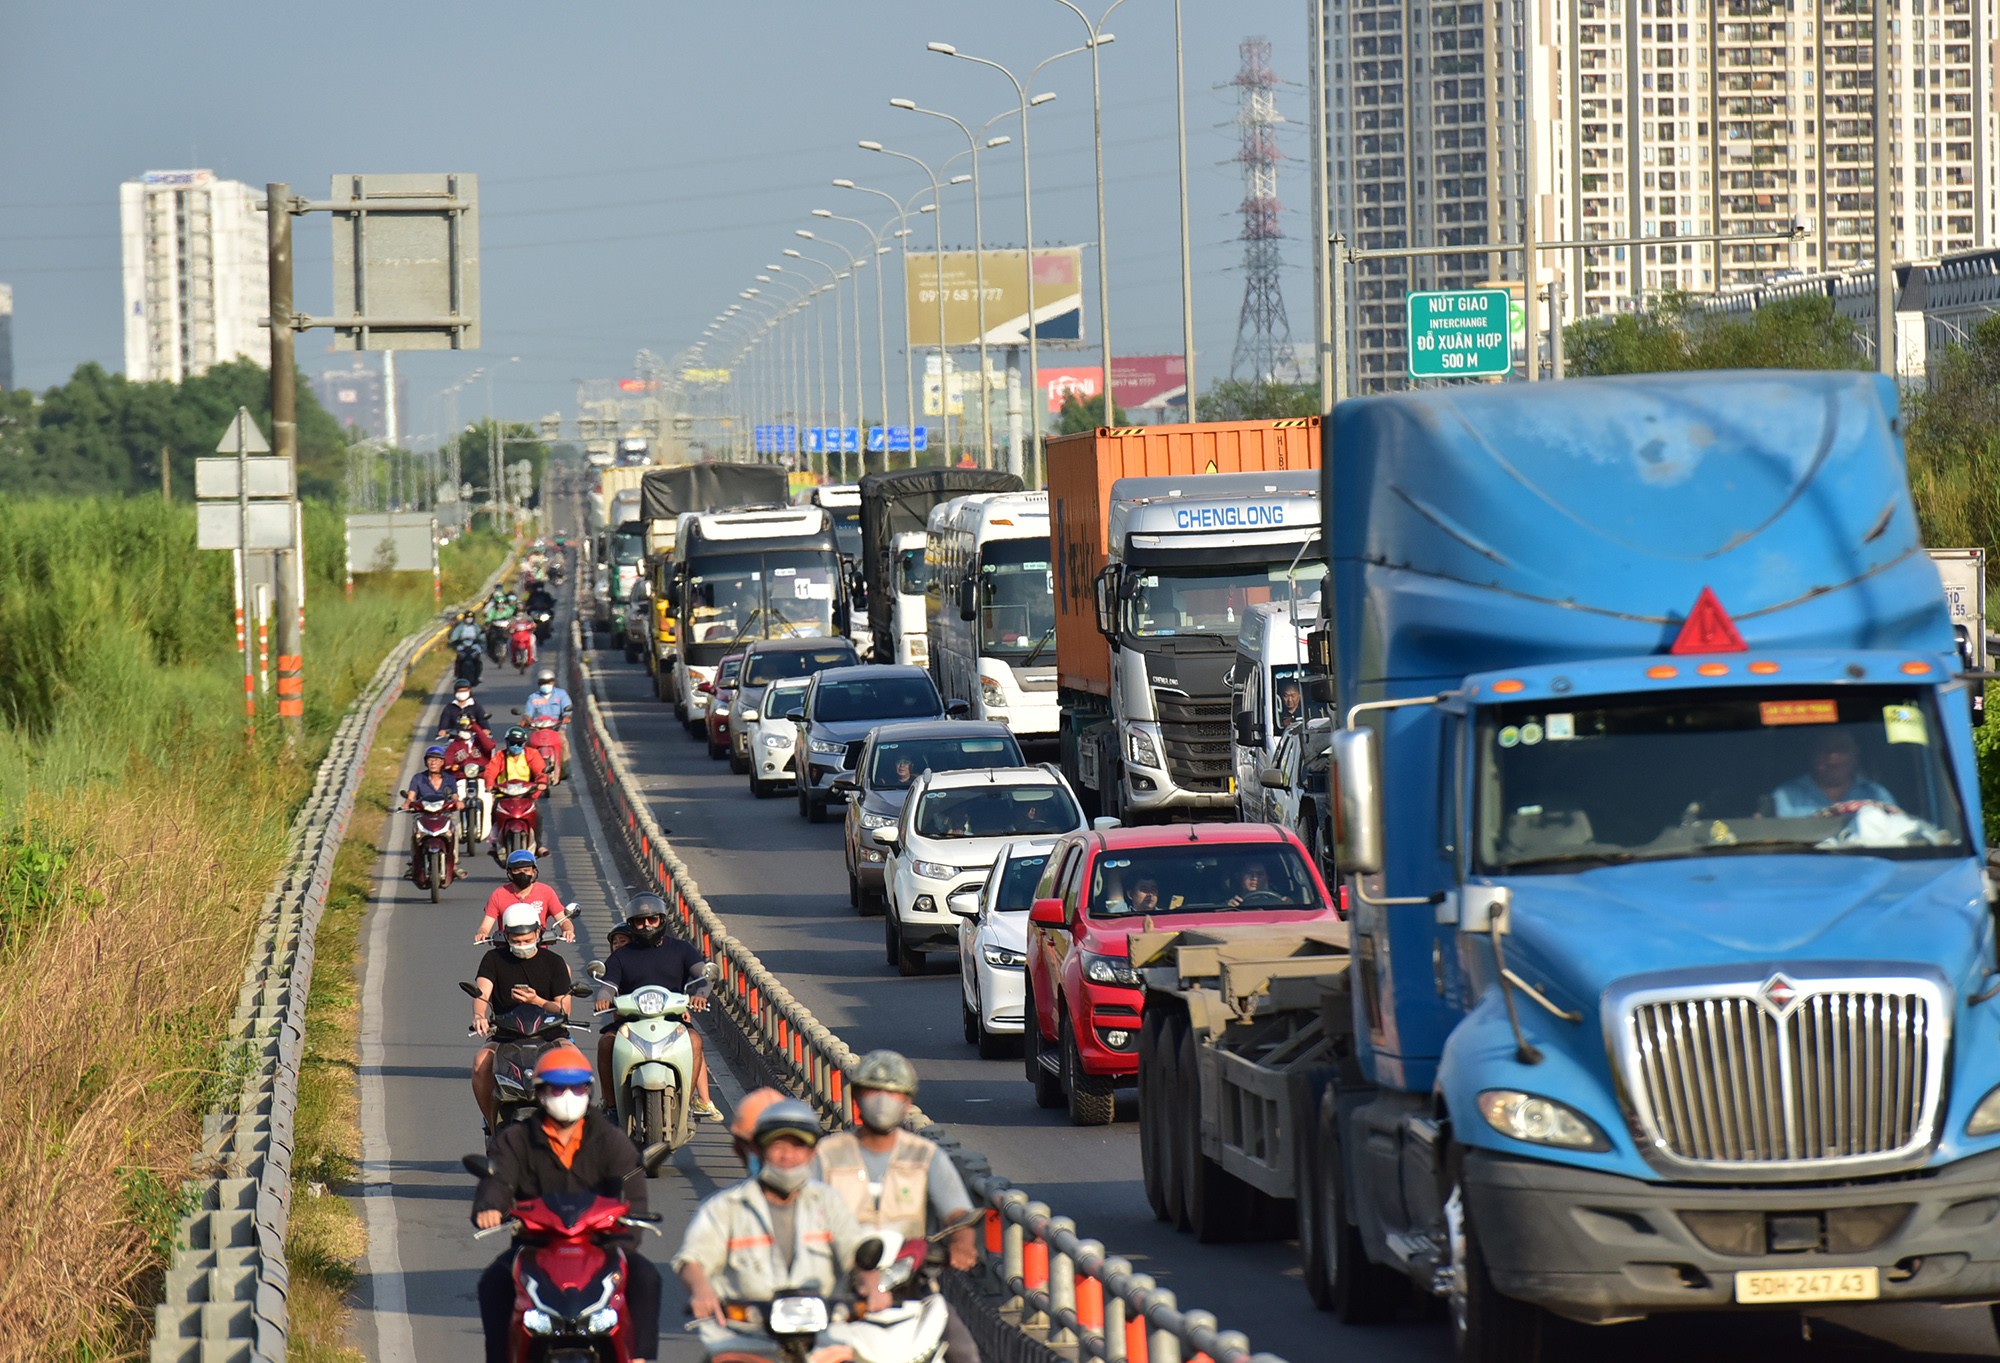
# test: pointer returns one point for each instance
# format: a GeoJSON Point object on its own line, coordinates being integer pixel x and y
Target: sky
{"type": "Point", "coordinates": [637, 162]}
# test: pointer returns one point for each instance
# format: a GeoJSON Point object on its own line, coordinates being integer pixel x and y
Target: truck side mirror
{"type": "Point", "coordinates": [1270, 778]}
{"type": "Point", "coordinates": [1357, 802]}
{"type": "Point", "coordinates": [1319, 652]}
{"type": "Point", "coordinates": [1249, 733]}
{"type": "Point", "coordinates": [1105, 587]}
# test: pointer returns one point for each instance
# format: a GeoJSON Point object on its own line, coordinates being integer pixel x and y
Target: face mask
{"type": "Point", "coordinates": [522, 879]}
{"type": "Point", "coordinates": [881, 1112]}
{"type": "Point", "coordinates": [463, 698]}
{"type": "Point", "coordinates": [548, 688]}
{"type": "Point", "coordinates": [785, 1181]}
{"type": "Point", "coordinates": [566, 1107]}
{"type": "Point", "coordinates": [524, 949]}
{"type": "Point", "coordinates": [515, 749]}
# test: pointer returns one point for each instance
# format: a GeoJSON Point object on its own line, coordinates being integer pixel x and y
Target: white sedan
{"type": "Point", "coordinates": [993, 947]}
{"type": "Point", "coordinates": [772, 737]}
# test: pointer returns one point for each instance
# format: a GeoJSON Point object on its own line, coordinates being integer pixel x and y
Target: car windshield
{"type": "Point", "coordinates": [783, 698]}
{"type": "Point", "coordinates": [727, 670]}
{"type": "Point", "coordinates": [996, 811]}
{"type": "Point", "coordinates": [1201, 878]}
{"type": "Point", "coordinates": [733, 597]}
{"type": "Point", "coordinates": [1016, 891]}
{"type": "Point", "coordinates": [1726, 772]}
{"type": "Point", "coordinates": [1213, 600]}
{"type": "Point", "coordinates": [1017, 599]}
{"type": "Point", "coordinates": [913, 573]}
{"type": "Point", "coordinates": [899, 761]}
{"type": "Point", "coordinates": [768, 665]}
{"type": "Point", "coordinates": [877, 698]}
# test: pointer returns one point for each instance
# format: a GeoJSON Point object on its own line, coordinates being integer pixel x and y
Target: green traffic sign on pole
{"type": "Point", "coordinates": [1459, 334]}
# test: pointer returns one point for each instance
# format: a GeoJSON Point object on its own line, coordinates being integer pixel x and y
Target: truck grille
{"type": "Point", "coordinates": [1197, 741]}
{"type": "Point", "coordinates": [1778, 1073]}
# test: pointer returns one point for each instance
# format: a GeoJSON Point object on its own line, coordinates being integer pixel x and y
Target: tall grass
{"type": "Point", "coordinates": [139, 834]}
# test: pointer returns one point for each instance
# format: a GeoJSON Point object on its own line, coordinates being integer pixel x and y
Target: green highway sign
{"type": "Point", "coordinates": [1460, 334]}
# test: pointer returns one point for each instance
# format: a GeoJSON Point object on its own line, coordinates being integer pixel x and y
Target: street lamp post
{"type": "Point", "coordinates": [833, 278]}
{"type": "Point", "coordinates": [937, 221]}
{"type": "Point", "coordinates": [1098, 38]}
{"type": "Point", "coordinates": [978, 267]}
{"type": "Point", "coordinates": [881, 316]}
{"type": "Point", "coordinates": [909, 351]}
{"type": "Point", "coordinates": [855, 264]}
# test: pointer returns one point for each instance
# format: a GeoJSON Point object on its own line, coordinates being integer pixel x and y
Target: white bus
{"type": "Point", "coordinates": [992, 609]}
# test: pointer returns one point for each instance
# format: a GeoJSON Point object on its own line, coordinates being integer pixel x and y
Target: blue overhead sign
{"type": "Point", "coordinates": [776, 438]}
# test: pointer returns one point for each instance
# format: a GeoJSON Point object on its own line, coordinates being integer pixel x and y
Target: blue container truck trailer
{"type": "Point", "coordinates": [1669, 983]}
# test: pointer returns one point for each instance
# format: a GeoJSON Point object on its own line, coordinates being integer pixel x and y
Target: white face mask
{"type": "Point", "coordinates": [566, 1107]}
{"type": "Point", "coordinates": [523, 949]}
{"type": "Point", "coordinates": [463, 698]}
{"type": "Point", "coordinates": [784, 1180]}
{"type": "Point", "coordinates": [882, 1112]}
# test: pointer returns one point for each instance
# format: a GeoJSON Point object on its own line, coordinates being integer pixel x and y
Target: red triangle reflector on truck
{"type": "Point", "coordinates": [1708, 629]}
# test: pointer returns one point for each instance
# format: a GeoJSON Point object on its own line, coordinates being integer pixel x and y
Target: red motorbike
{"type": "Point", "coordinates": [545, 734]}
{"type": "Point", "coordinates": [521, 643]}
{"type": "Point", "coordinates": [434, 848]}
{"type": "Point", "coordinates": [569, 1276]}
{"type": "Point", "coordinates": [515, 823]}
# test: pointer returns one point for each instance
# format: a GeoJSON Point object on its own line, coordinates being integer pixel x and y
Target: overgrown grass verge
{"type": "Point", "coordinates": [139, 836]}
{"type": "Point", "coordinates": [327, 1236]}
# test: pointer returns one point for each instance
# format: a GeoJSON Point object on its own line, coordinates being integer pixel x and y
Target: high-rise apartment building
{"type": "Point", "coordinates": [1652, 119]}
{"type": "Point", "coordinates": [196, 280]}
{"type": "Point", "coordinates": [6, 336]}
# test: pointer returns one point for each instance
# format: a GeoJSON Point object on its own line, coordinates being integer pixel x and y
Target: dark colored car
{"type": "Point", "coordinates": [764, 662]}
{"type": "Point", "coordinates": [840, 706]}
{"type": "Point", "coordinates": [721, 692]}
{"type": "Point", "coordinates": [894, 757]}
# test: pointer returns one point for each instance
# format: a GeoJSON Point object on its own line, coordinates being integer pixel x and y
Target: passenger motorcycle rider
{"type": "Point", "coordinates": [516, 973]}
{"type": "Point", "coordinates": [465, 639]}
{"type": "Point", "coordinates": [777, 1231]}
{"type": "Point", "coordinates": [653, 958]}
{"type": "Point", "coordinates": [473, 742]}
{"type": "Point", "coordinates": [462, 703]}
{"type": "Point", "coordinates": [525, 886]}
{"type": "Point", "coordinates": [519, 762]}
{"type": "Point", "coordinates": [571, 1150]}
{"type": "Point", "coordinates": [434, 782]}
{"type": "Point", "coordinates": [894, 1180]}
{"type": "Point", "coordinates": [550, 701]}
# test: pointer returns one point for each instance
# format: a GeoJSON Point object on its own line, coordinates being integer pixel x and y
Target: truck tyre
{"type": "Point", "coordinates": [1045, 1081]}
{"type": "Point", "coordinates": [1217, 1202]}
{"type": "Point", "coordinates": [1160, 1030]}
{"type": "Point", "coordinates": [1487, 1326]}
{"type": "Point", "coordinates": [1338, 1272]}
{"type": "Point", "coordinates": [1093, 1099]}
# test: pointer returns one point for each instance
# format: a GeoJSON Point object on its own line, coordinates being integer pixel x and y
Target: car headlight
{"type": "Point", "coordinates": [601, 1322]}
{"type": "Point", "coordinates": [1110, 970]}
{"type": "Point", "coordinates": [826, 747]}
{"type": "Point", "coordinates": [1000, 958]}
{"type": "Point", "coordinates": [1539, 1121]}
{"type": "Point", "coordinates": [878, 821]}
{"type": "Point", "coordinates": [1985, 1119]}
{"type": "Point", "coordinates": [749, 716]}
{"type": "Point", "coordinates": [777, 740]}
{"type": "Point", "coordinates": [720, 711]}
{"type": "Point", "coordinates": [933, 870]}
{"type": "Point", "coordinates": [537, 1322]}
{"type": "Point", "coordinates": [990, 693]}
{"type": "Point", "coordinates": [1139, 748]}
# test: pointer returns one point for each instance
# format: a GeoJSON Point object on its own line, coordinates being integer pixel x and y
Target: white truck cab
{"type": "Point", "coordinates": [1269, 692]}
{"type": "Point", "coordinates": [993, 618]}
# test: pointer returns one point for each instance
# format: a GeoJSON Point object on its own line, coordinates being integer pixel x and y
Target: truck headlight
{"type": "Point", "coordinates": [1985, 1119]}
{"type": "Point", "coordinates": [990, 694]}
{"type": "Point", "coordinates": [1140, 749]}
{"type": "Point", "coordinates": [1539, 1121]}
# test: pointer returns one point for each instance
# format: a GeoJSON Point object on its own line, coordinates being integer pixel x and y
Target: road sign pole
{"type": "Point", "coordinates": [290, 578]}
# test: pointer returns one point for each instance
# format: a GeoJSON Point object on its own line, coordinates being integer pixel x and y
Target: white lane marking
{"type": "Point", "coordinates": [394, 1340]}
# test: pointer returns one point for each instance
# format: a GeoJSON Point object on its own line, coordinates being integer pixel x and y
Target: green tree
{"type": "Point", "coordinates": [1080, 415]}
{"type": "Point", "coordinates": [1245, 400]}
{"type": "Point", "coordinates": [475, 444]}
{"type": "Point", "coordinates": [1677, 333]}
{"type": "Point", "coordinates": [1953, 428]}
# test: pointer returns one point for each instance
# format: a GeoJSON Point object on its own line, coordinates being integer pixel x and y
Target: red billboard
{"type": "Point", "coordinates": [1057, 386]}
{"type": "Point", "coordinates": [1150, 381]}
{"type": "Point", "coordinates": [636, 385]}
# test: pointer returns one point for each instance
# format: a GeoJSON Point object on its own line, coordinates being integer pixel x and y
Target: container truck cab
{"type": "Point", "coordinates": [841, 502]}
{"type": "Point", "coordinates": [1674, 983]}
{"type": "Point", "coordinates": [993, 616]}
{"type": "Point", "coordinates": [738, 576]}
{"type": "Point", "coordinates": [1270, 691]}
{"type": "Point", "coordinates": [621, 550]}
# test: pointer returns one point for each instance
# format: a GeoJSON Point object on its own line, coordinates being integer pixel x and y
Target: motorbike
{"type": "Point", "coordinates": [521, 644]}
{"type": "Point", "coordinates": [475, 811]}
{"type": "Point", "coordinates": [569, 1276]}
{"type": "Point", "coordinates": [513, 817]}
{"type": "Point", "coordinates": [520, 1035]}
{"type": "Point", "coordinates": [796, 1328]}
{"type": "Point", "coordinates": [652, 1068]}
{"type": "Point", "coordinates": [545, 735]}
{"type": "Point", "coordinates": [496, 641]}
{"type": "Point", "coordinates": [435, 845]}
{"type": "Point", "coordinates": [470, 662]}
{"type": "Point", "coordinates": [545, 625]}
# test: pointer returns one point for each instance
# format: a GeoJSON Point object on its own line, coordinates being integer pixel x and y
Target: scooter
{"type": "Point", "coordinates": [496, 641]}
{"type": "Point", "coordinates": [798, 1328]}
{"type": "Point", "coordinates": [545, 625]}
{"type": "Point", "coordinates": [470, 662]}
{"type": "Point", "coordinates": [545, 735]}
{"type": "Point", "coordinates": [652, 1068]}
{"type": "Point", "coordinates": [521, 643]}
{"type": "Point", "coordinates": [475, 812]}
{"type": "Point", "coordinates": [520, 1034]}
{"type": "Point", "coordinates": [513, 818]}
{"type": "Point", "coordinates": [435, 846]}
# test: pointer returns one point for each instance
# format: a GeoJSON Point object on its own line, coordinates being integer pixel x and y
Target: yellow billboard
{"type": "Point", "coordinates": [954, 277]}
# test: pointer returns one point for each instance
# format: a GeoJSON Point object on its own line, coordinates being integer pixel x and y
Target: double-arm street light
{"type": "Point", "coordinates": [1096, 39]}
{"type": "Point", "coordinates": [973, 145]}
{"type": "Point", "coordinates": [902, 208]}
{"type": "Point", "coordinates": [833, 278]}
{"type": "Point", "coordinates": [937, 221]}
{"type": "Point", "coordinates": [881, 316]}
{"type": "Point", "coordinates": [855, 264]}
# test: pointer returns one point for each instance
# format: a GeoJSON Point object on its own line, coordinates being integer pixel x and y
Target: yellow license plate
{"type": "Point", "coordinates": [1759, 1286]}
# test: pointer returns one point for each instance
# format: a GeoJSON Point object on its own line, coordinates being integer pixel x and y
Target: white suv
{"type": "Point", "coordinates": [954, 824]}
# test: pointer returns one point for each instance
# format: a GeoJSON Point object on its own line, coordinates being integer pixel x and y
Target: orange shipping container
{"type": "Point", "coordinates": [1082, 469]}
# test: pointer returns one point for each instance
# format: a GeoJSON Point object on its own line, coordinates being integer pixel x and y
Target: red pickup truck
{"type": "Point", "coordinates": [1102, 885]}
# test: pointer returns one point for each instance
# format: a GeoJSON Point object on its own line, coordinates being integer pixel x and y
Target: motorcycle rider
{"type": "Point", "coordinates": [462, 703]}
{"type": "Point", "coordinates": [465, 638]}
{"type": "Point", "coordinates": [518, 972]}
{"type": "Point", "coordinates": [775, 1232]}
{"type": "Point", "coordinates": [524, 886]}
{"type": "Point", "coordinates": [895, 1180]}
{"type": "Point", "coordinates": [434, 782]}
{"type": "Point", "coordinates": [549, 701]}
{"type": "Point", "coordinates": [654, 958]}
{"type": "Point", "coordinates": [571, 1150]}
{"type": "Point", "coordinates": [518, 762]}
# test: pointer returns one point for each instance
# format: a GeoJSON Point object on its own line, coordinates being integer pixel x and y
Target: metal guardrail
{"type": "Point", "coordinates": [224, 1295]}
{"type": "Point", "coordinates": [1059, 1295]}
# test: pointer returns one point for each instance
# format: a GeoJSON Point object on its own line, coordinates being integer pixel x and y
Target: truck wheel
{"type": "Point", "coordinates": [1159, 1041]}
{"type": "Point", "coordinates": [1338, 1272]}
{"type": "Point", "coordinates": [1217, 1202]}
{"type": "Point", "coordinates": [1487, 1326]}
{"type": "Point", "coordinates": [1093, 1100]}
{"type": "Point", "coordinates": [1047, 1083]}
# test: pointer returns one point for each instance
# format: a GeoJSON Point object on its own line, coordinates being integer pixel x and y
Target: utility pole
{"type": "Point", "coordinates": [290, 577]}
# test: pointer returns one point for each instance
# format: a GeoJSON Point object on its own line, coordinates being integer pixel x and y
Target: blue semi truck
{"type": "Point", "coordinates": [1669, 982]}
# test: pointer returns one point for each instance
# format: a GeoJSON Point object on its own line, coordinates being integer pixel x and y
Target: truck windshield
{"type": "Point", "coordinates": [1728, 772]}
{"type": "Point", "coordinates": [628, 545]}
{"type": "Point", "coordinates": [1201, 878]}
{"type": "Point", "coordinates": [1291, 698]}
{"type": "Point", "coordinates": [1212, 600]}
{"type": "Point", "coordinates": [1017, 599]}
{"type": "Point", "coordinates": [737, 597]}
{"type": "Point", "coordinates": [847, 529]}
{"type": "Point", "coordinates": [913, 575]}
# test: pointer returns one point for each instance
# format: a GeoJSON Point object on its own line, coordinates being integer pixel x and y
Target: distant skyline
{"type": "Point", "coordinates": [637, 166]}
